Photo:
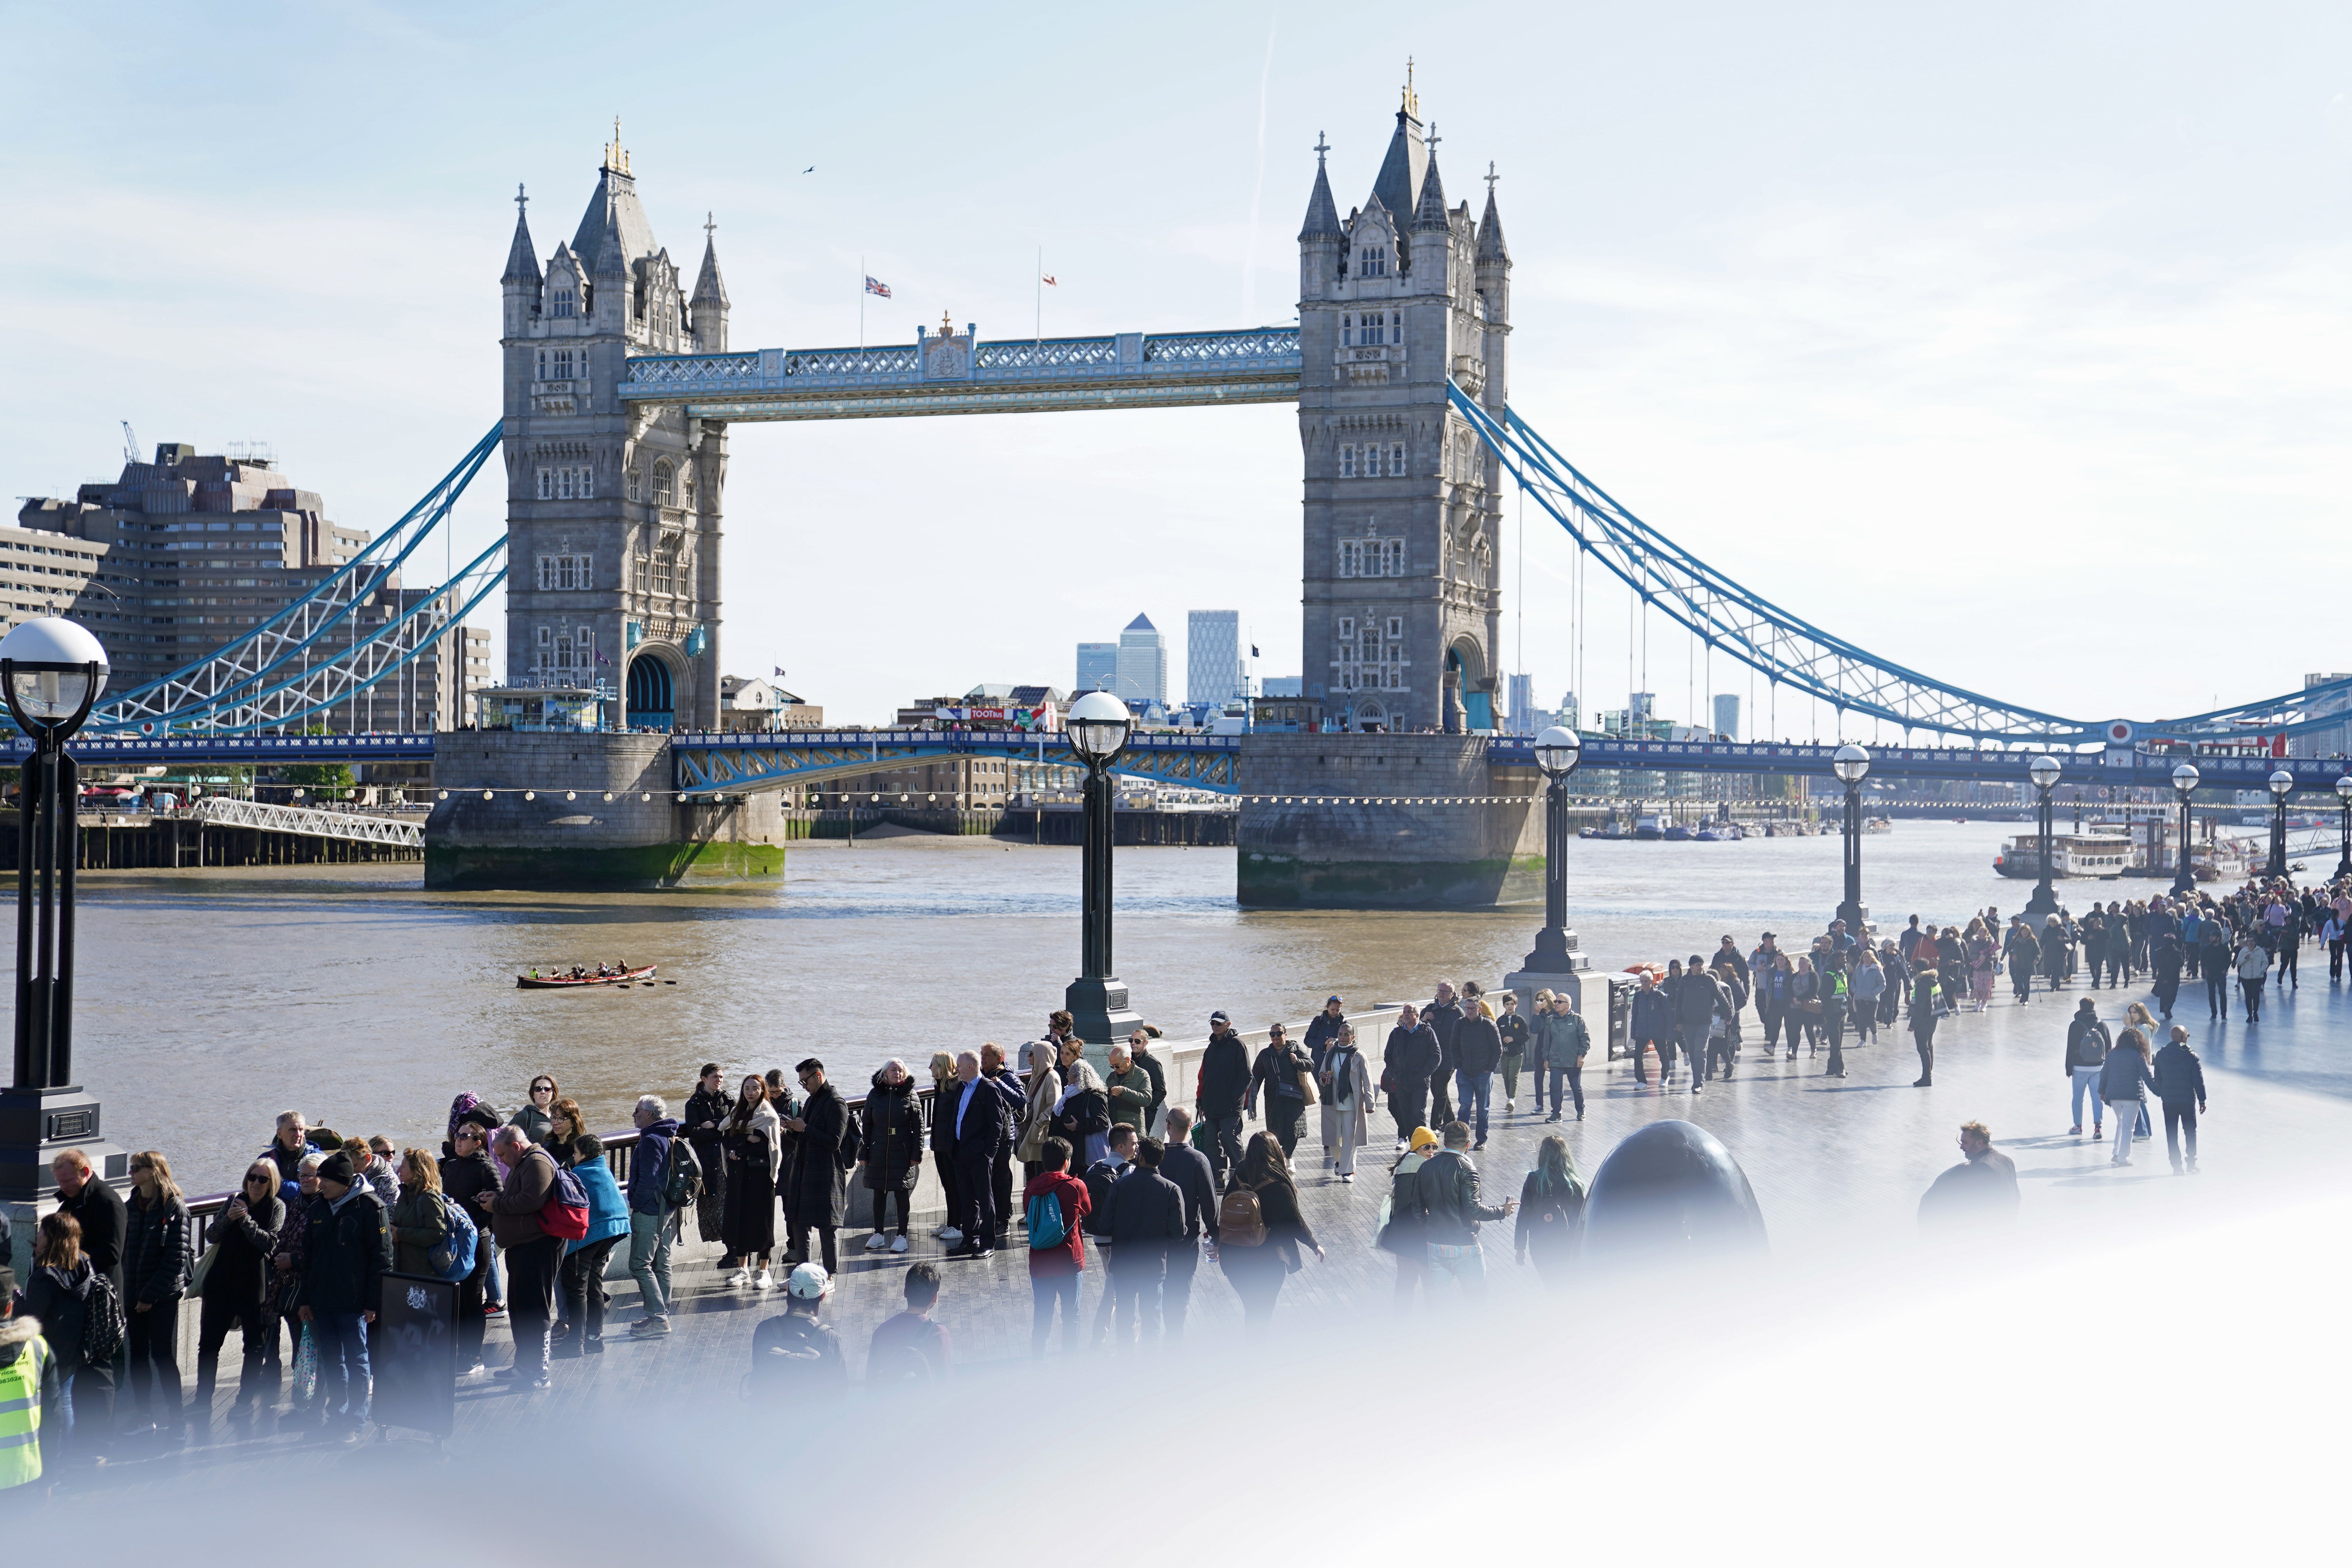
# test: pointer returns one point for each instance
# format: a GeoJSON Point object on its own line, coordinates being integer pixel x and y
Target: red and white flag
{"type": "Point", "coordinates": [1048, 281]}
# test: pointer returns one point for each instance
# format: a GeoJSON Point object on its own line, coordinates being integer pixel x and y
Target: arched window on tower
{"type": "Point", "coordinates": [637, 480]}
{"type": "Point", "coordinates": [663, 478]}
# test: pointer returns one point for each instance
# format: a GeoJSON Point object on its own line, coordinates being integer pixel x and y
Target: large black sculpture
{"type": "Point", "coordinates": [1671, 1192]}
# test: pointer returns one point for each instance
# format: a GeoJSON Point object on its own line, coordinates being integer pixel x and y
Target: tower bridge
{"type": "Point", "coordinates": [620, 388]}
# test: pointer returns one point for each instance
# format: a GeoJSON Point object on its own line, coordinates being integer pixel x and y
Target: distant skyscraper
{"type": "Point", "coordinates": [1142, 662]}
{"type": "Point", "coordinates": [1097, 667]}
{"type": "Point", "coordinates": [1727, 716]}
{"type": "Point", "coordinates": [1568, 714]}
{"type": "Point", "coordinates": [1522, 703]}
{"type": "Point", "coordinates": [1641, 706]}
{"type": "Point", "coordinates": [1213, 670]}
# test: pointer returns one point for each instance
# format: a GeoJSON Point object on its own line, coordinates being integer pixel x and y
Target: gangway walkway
{"type": "Point", "coordinates": [314, 822]}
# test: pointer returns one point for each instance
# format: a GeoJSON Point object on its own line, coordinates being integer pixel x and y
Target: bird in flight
{"type": "Point", "coordinates": [810, 170]}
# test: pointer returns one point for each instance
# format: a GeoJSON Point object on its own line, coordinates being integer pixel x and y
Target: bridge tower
{"type": "Point", "coordinates": [613, 512]}
{"type": "Point", "coordinates": [1401, 602]}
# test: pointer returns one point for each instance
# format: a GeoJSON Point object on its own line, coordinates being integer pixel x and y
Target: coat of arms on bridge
{"type": "Point", "coordinates": [947, 357]}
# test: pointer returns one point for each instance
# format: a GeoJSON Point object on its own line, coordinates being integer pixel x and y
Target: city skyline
{"type": "Point", "coordinates": [2103, 315]}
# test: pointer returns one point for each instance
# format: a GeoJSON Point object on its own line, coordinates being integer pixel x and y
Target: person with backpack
{"type": "Point", "coordinates": [2123, 1083]}
{"type": "Point", "coordinates": [1260, 1230]}
{"type": "Point", "coordinates": [534, 1253]}
{"type": "Point", "coordinates": [664, 1178]}
{"type": "Point", "coordinates": [1057, 1206]}
{"type": "Point", "coordinates": [998, 1074]}
{"type": "Point", "coordinates": [98, 1208]}
{"type": "Point", "coordinates": [793, 1353]}
{"type": "Point", "coordinates": [82, 1320]}
{"type": "Point", "coordinates": [2087, 1044]}
{"type": "Point", "coordinates": [911, 1347]}
{"type": "Point", "coordinates": [348, 1252]}
{"type": "Point", "coordinates": [1187, 1167]}
{"type": "Point", "coordinates": [242, 1238]}
{"type": "Point", "coordinates": [1347, 1102]}
{"type": "Point", "coordinates": [1551, 1213]}
{"type": "Point", "coordinates": [582, 1276]}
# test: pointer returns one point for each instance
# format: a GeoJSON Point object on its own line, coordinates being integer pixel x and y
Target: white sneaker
{"type": "Point", "coordinates": [740, 1277]}
{"type": "Point", "coordinates": [876, 1242]}
{"type": "Point", "coordinates": [1510, 1105]}
{"type": "Point", "coordinates": [766, 1281]}
{"type": "Point", "coordinates": [897, 1244]}
{"type": "Point", "coordinates": [1400, 1145]}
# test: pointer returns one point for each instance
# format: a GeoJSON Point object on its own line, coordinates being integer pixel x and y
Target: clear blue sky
{"type": "Point", "coordinates": [2011, 342]}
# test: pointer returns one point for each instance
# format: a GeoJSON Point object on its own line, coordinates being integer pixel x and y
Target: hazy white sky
{"type": "Point", "coordinates": [2007, 342]}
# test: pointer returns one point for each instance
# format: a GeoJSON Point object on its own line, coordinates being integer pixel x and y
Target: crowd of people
{"type": "Point", "coordinates": [524, 1213]}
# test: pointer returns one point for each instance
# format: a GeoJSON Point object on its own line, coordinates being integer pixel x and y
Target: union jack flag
{"type": "Point", "coordinates": [876, 285]}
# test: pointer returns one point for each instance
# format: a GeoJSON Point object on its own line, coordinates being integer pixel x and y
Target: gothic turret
{"type": "Point", "coordinates": [521, 282]}
{"type": "Point", "coordinates": [709, 301]}
{"type": "Point", "coordinates": [1320, 238]}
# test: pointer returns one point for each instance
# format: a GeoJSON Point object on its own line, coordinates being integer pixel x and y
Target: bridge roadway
{"type": "Point", "coordinates": [1837, 1166]}
{"type": "Point", "coordinates": [740, 761]}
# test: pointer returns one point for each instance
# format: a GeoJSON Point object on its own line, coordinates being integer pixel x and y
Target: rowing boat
{"type": "Point", "coordinates": [566, 982]}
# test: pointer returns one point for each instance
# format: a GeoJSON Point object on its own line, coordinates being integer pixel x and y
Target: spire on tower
{"type": "Point", "coordinates": [1431, 212]}
{"type": "Point", "coordinates": [616, 157]}
{"type": "Point", "coordinates": [1322, 212]}
{"type": "Point", "coordinates": [709, 288]}
{"type": "Point", "coordinates": [1490, 227]}
{"type": "Point", "coordinates": [1399, 185]}
{"type": "Point", "coordinates": [522, 260]}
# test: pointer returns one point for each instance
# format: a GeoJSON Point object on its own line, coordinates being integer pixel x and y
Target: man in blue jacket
{"type": "Point", "coordinates": [649, 1210]}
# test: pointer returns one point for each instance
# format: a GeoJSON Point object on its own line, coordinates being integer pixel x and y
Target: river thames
{"type": "Point", "coordinates": [211, 1000]}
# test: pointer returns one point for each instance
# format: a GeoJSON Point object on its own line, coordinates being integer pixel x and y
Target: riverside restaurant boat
{"type": "Point", "coordinates": [2097, 851]}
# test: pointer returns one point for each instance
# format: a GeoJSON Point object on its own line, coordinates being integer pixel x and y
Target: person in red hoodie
{"type": "Point", "coordinates": [1055, 1269]}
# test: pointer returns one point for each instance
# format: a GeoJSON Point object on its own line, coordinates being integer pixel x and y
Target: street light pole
{"type": "Point", "coordinates": [2343, 793]}
{"type": "Point", "coordinates": [2184, 874]}
{"type": "Point", "coordinates": [1851, 765]}
{"type": "Point", "coordinates": [1558, 751]}
{"type": "Point", "coordinates": [2282, 784]}
{"type": "Point", "coordinates": [1098, 726]}
{"type": "Point", "coordinates": [2043, 772]}
{"type": "Point", "coordinates": [51, 672]}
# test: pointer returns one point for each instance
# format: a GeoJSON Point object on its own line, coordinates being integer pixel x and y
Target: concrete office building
{"type": "Point", "coordinates": [178, 556]}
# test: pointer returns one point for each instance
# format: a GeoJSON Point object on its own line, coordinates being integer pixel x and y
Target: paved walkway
{"type": "Point", "coordinates": [1838, 1165]}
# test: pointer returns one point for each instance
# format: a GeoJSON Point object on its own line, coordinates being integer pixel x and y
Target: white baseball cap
{"type": "Point", "coordinates": [810, 1282]}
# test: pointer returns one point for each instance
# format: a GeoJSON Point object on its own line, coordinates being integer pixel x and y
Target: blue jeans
{"type": "Point", "coordinates": [649, 1260]}
{"type": "Point", "coordinates": [1466, 1264]}
{"type": "Point", "coordinates": [1473, 1090]}
{"type": "Point", "coordinates": [344, 1380]}
{"type": "Point", "coordinates": [2086, 1082]}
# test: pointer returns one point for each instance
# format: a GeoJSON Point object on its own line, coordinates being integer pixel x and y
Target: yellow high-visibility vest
{"type": "Point", "coordinates": [20, 1414]}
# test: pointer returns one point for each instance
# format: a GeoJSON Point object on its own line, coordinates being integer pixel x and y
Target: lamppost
{"type": "Point", "coordinates": [1558, 751]}
{"type": "Point", "coordinates": [2184, 875]}
{"type": "Point", "coordinates": [2043, 771]}
{"type": "Point", "coordinates": [1850, 764]}
{"type": "Point", "coordinates": [2343, 793]}
{"type": "Point", "coordinates": [51, 672]}
{"type": "Point", "coordinates": [1099, 725]}
{"type": "Point", "coordinates": [2282, 784]}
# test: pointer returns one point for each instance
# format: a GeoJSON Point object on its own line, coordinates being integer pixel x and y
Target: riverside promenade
{"type": "Point", "coordinates": [1838, 1166]}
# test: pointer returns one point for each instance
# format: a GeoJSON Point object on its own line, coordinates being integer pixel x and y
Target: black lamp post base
{"type": "Point", "coordinates": [1098, 1012]}
{"type": "Point", "coordinates": [1856, 918]}
{"type": "Point", "coordinates": [1555, 953]}
{"type": "Point", "coordinates": [35, 1126]}
{"type": "Point", "coordinates": [2044, 901]}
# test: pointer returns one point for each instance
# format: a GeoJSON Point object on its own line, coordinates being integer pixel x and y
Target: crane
{"type": "Point", "coordinates": [130, 443]}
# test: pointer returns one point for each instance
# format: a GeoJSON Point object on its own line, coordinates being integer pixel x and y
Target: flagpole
{"type": "Point", "coordinates": [861, 304]}
{"type": "Point", "coordinates": [1039, 286]}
